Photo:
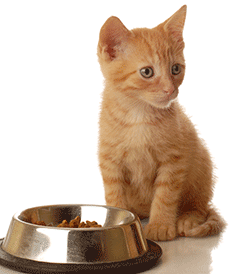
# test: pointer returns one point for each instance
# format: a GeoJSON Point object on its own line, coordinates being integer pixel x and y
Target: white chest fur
{"type": "Point", "coordinates": [137, 142]}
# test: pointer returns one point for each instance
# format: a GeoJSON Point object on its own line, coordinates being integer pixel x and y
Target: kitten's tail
{"type": "Point", "coordinates": [213, 225]}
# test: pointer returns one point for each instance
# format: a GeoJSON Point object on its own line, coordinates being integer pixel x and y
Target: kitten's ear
{"type": "Point", "coordinates": [175, 24]}
{"type": "Point", "coordinates": [113, 38]}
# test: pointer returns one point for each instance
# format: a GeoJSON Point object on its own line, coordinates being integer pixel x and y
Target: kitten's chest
{"type": "Point", "coordinates": [137, 136]}
{"type": "Point", "coordinates": [140, 165]}
{"type": "Point", "coordinates": [138, 130]}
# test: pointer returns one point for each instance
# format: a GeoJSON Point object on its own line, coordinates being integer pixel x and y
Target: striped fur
{"type": "Point", "coordinates": [151, 158]}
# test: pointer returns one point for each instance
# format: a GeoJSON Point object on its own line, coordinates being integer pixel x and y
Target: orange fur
{"type": "Point", "coordinates": [151, 158]}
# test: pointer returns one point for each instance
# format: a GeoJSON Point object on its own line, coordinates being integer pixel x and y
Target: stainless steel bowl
{"type": "Point", "coordinates": [120, 238]}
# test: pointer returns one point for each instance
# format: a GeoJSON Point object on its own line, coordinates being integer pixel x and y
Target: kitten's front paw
{"type": "Point", "coordinates": [160, 232]}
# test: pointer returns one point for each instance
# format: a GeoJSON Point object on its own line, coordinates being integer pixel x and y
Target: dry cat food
{"type": "Point", "coordinates": [75, 223]}
{"type": "Point", "coordinates": [39, 223]}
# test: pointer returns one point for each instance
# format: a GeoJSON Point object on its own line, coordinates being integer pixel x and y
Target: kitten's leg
{"type": "Point", "coordinates": [163, 213]}
{"type": "Point", "coordinates": [114, 192]}
{"type": "Point", "coordinates": [113, 183]}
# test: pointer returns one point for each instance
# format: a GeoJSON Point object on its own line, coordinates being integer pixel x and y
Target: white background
{"type": "Point", "coordinates": [50, 94]}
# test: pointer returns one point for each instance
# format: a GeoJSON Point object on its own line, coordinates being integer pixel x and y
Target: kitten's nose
{"type": "Point", "coordinates": [169, 90]}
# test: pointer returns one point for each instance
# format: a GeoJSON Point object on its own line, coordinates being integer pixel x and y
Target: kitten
{"type": "Point", "coordinates": [151, 158]}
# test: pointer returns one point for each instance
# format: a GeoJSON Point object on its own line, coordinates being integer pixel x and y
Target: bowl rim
{"type": "Point", "coordinates": [18, 213]}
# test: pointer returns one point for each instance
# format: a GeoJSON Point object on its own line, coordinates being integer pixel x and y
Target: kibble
{"type": "Point", "coordinates": [40, 223]}
{"type": "Point", "coordinates": [75, 223]}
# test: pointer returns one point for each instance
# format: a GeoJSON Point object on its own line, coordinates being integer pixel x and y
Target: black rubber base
{"type": "Point", "coordinates": [140, 264]}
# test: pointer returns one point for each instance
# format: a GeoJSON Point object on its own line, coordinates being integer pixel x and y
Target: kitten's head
{"type": "Point", "coordinates": [147, 64]}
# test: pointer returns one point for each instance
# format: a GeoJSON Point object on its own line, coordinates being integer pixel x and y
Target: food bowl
{"type": "Point", "coordinates": [119, 242]}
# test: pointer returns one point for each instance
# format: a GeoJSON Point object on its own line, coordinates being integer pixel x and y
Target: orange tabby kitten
{"type": "Point", "coordinates": [151, 158]}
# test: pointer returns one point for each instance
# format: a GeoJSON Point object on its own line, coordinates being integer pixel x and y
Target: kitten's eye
{"type": "Point", "coordinates": [147, 72]}
{"type": "Point", "coordinates": [176, 69]}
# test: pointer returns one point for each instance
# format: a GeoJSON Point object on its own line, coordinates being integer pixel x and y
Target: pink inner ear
{"type": "Point", "coordinates": [113, 37]}
{"type": "Point", "coordinates": [111, 53]}
{"type": "Point", "coordinates": [110, 48]}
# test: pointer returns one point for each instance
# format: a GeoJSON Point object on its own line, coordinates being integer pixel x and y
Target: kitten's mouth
{"type": "Point", "coordinates": [174, 95]}
{"type": "Point", "coordinates": [166, 99]}
{"type": "Point", "coordinates": [161, 99]}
